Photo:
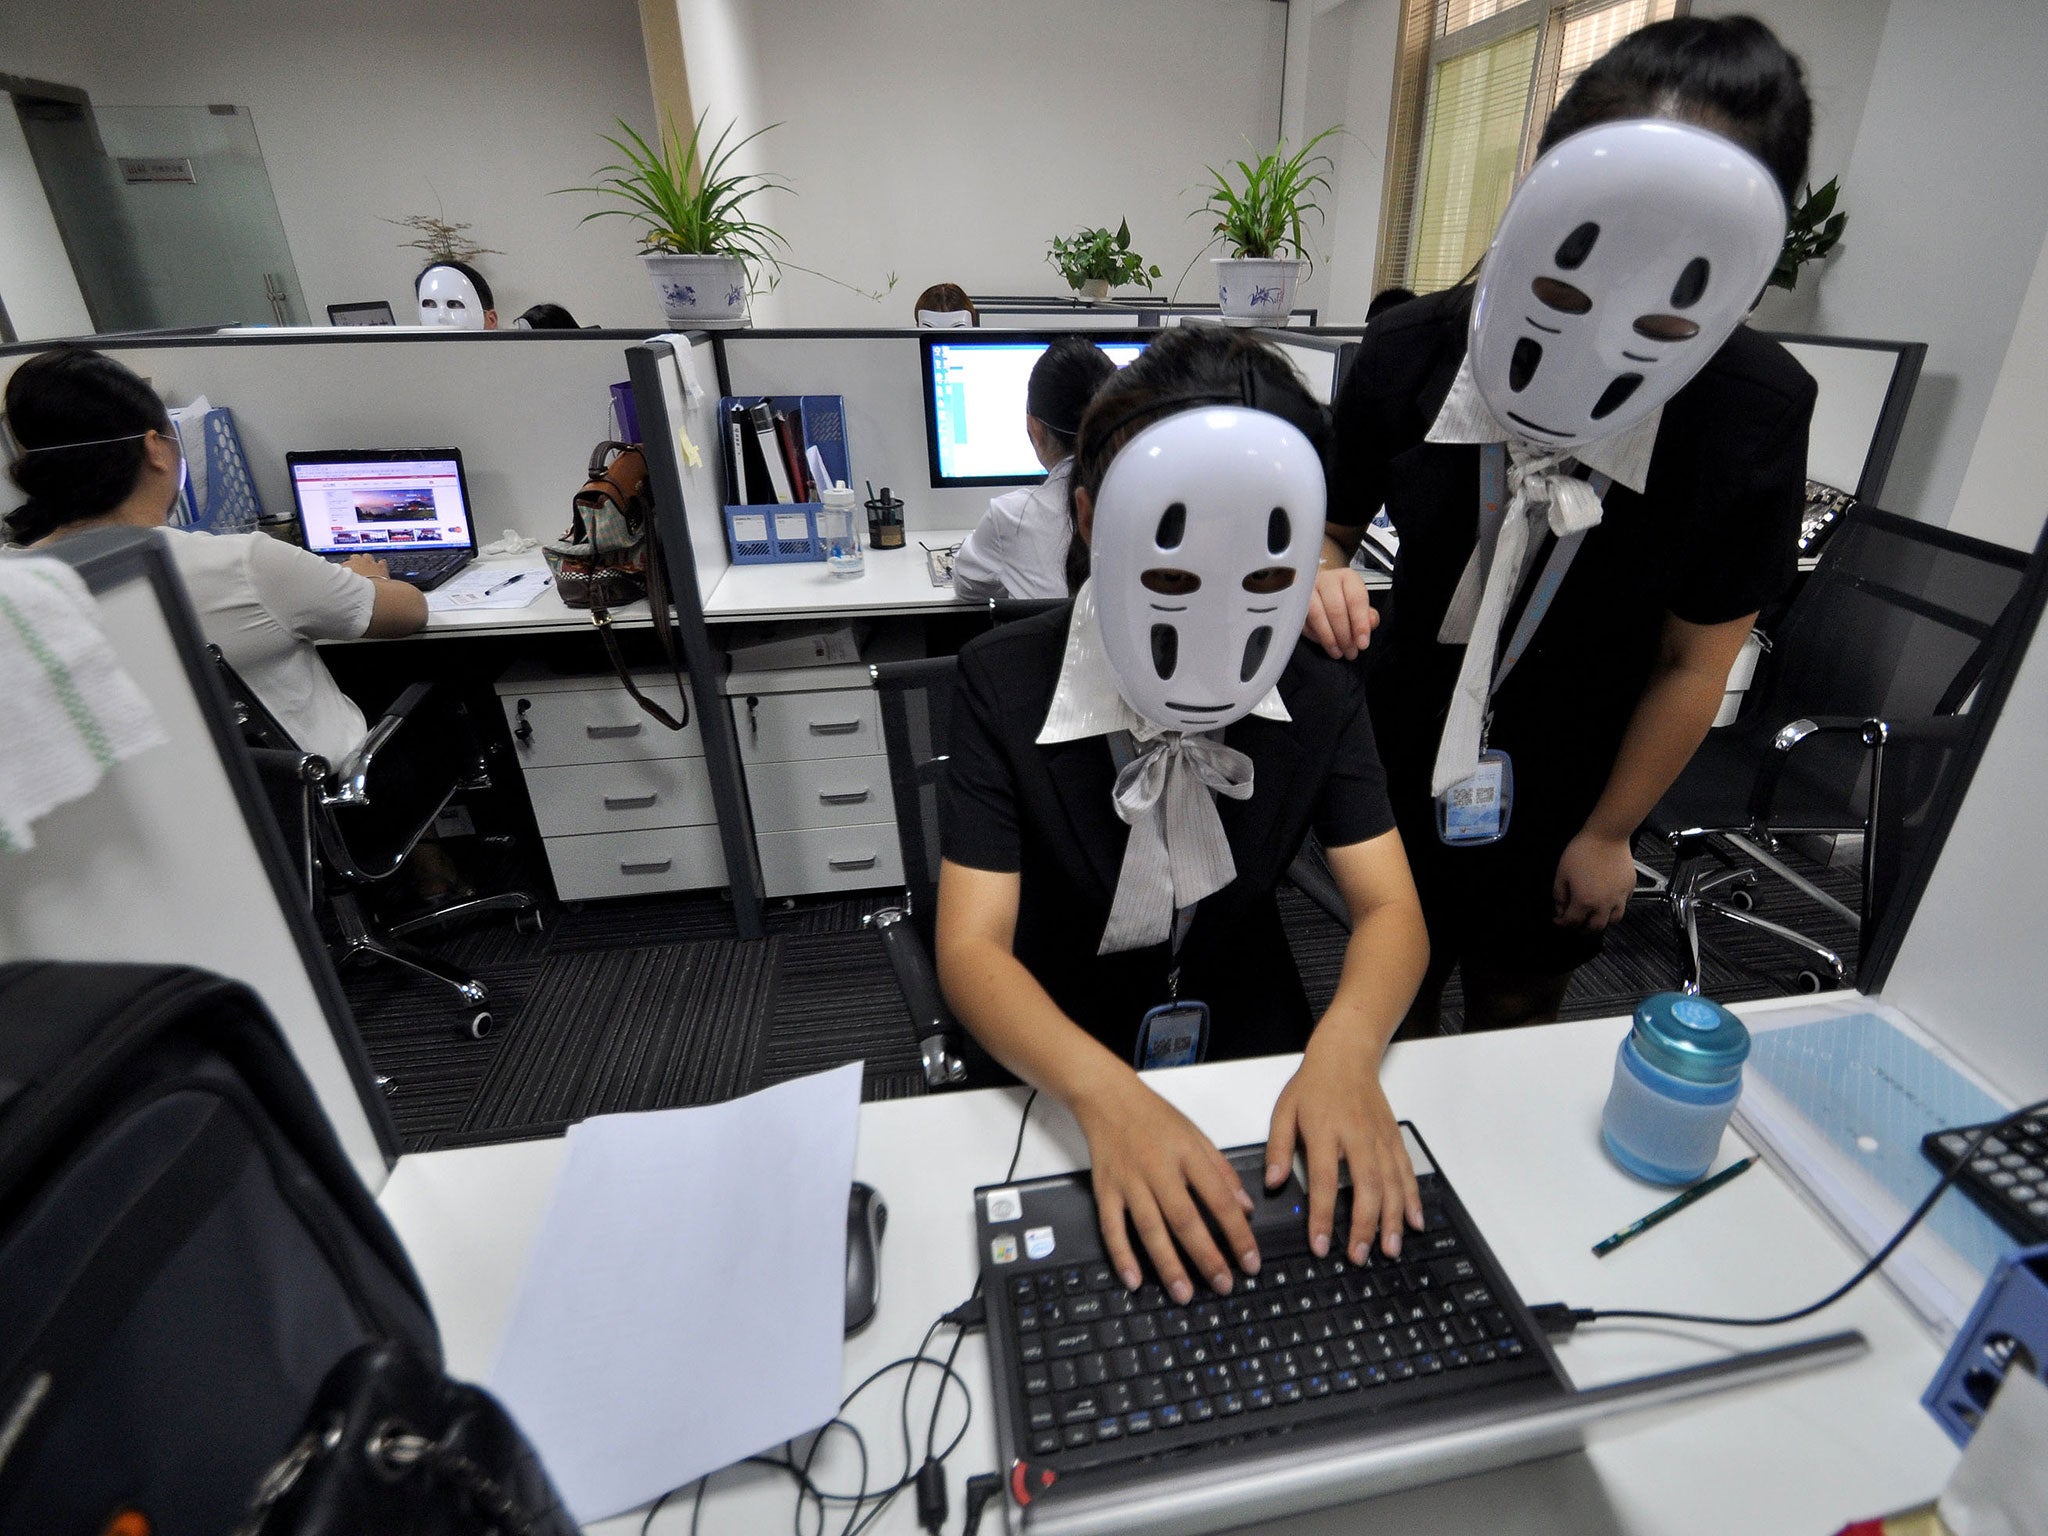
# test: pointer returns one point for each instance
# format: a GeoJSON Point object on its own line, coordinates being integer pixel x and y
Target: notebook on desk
{"type": "Point", "coordinates": [1315, 1382]}
{"type": "Point", "coordinates": [408, 507]}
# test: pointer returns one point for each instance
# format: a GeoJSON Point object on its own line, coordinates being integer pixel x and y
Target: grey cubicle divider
{"type": "Point", "coordinates": [175, 857]}
{"type": "Point", "coordinates": [523, 406]}
{"type": "Point", "coordinates": [676, 514]}
{"type": "Point", "coordinates": [1960, 944]}
{"type": "Point", "coordinates": [1865, 389]}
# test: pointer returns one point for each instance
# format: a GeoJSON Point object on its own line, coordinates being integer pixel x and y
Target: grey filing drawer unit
{"type": "Point", "coordinates": [623, 803]}
{"type": "Point", "coordinates": [818, 782]}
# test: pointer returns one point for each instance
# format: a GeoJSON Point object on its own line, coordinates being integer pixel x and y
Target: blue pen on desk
{"type": "Point", "coordinates": [501, 586]}
{"type": "Point", "coordinates": [1705, 1187]}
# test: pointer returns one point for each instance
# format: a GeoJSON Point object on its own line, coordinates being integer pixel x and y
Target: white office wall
{"type": "Point", "coordinates": [473, 110]}
{"type": "Point", "coordinates": [2004, 496]}
{"type": "Point", "coordinates": [1350, 47]}
{"type": "Point", "coordinates": [949, 143]}
{"type": "Point", "coordinates": [36, 283]}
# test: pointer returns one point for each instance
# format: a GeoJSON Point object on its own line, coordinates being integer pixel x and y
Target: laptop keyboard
{"type": "Point", "coordinates": [413, 567]}
{"type": "Point", "coordinates": [1103, 1373]}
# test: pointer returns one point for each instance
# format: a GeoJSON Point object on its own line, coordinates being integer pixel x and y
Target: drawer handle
{"type": "Point", "coordinates": [651, 867]}
{"type": "Point", "coordinates": [629, 802]}
{"type": "Point", "coordinates": [867, 863]}
{"type": "Point", "coordinates": [849, 797]}
{"type": "Point", "coordinates": [834, 727]}
{"type": "Point", "coordinates": [611, 732]}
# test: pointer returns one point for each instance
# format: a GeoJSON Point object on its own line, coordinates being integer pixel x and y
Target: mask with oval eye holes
{"type": "Point", "coordinates": [1207, 529]}
{"type": "Point", "coordinates": [1626, 257]}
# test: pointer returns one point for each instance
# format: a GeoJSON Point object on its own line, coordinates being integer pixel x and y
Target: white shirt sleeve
{"type": "Point", "coordinates": [314, 599]}
{"type": "Point", "coordinates": [980, 564]}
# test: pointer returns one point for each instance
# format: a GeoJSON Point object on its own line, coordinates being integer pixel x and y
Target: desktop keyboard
{"type": "Point", "coordinates": [2008, 1177]}
{"type": "Point", "coordinates": [1091, 1374]}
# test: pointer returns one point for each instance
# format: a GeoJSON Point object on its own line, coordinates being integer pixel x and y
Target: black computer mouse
{"type": "Point", "coordinates": [866, 1217]}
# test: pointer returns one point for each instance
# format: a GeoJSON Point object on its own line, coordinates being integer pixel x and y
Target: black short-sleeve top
{"type": "Point", "coordinates": [1711, 537]}
{"type": "Point", "coordinates": [1044, 812]}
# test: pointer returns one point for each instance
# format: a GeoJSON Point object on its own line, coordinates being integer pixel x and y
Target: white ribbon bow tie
{"type": "Point", "coordinates": [1538, 483]}
{"type": "Point", "coordinates": [1177, 852]}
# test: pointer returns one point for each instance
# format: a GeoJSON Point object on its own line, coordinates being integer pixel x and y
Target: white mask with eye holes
{"type": "Point", "coordinates": [450, 300]}
{"type": "Point", "coordinates": [1206, 534]}
{"type": "Point", "coordinates": [1626, 257]}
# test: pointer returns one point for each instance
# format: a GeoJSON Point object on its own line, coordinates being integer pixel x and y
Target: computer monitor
{"type": "Point", "coordinates": [372, 501]}
{"type": "Point", "coordinates": [974, 390]}
{"type": "Point", "coordinates": [366, 312]}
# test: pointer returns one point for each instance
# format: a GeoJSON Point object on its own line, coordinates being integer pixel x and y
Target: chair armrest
{"type": "Point", "coordinates": [930, 1020]}
{"type": "Point", "coordinates": [351, 785]}
{"type": "Point", "coordinates": [289, 767]}
{"type": "Point", "coordinates": [1764, 792]}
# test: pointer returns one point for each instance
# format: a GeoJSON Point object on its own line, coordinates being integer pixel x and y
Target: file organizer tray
{"type": "Point", "coordinates": [773, 533]}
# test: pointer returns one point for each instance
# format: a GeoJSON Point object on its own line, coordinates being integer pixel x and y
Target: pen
{"type": "Point", "coordinates": [1607, 1245]}
{"type": "Point", "coordinates": [501, 586]}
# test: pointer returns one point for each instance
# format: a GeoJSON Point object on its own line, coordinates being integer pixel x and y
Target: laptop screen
{"type": "Point", "coordinates": [378, 503]}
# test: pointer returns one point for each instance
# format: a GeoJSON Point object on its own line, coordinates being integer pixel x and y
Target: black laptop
{"type": "Point", "coordinates": [1314, 1382]}
{"type": "Point", "coordinates": [408, 507]}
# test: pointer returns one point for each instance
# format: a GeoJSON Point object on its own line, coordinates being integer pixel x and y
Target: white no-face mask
{"type": "Point", "coordinates": [1206, 534]}
{"type": "Point", "coordinates": [450, 300]}
{"type": "Point", "coordinates": [1626, 257]}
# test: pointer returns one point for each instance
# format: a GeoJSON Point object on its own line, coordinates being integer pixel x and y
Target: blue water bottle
{"type": "Point", "coordinates": [1676, 1080]}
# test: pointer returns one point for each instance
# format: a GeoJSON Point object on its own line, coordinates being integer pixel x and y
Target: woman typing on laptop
{"type": "Point", "coordinates": [97, 451]}
{"type": "Point", "coordinates": [1129, 778]}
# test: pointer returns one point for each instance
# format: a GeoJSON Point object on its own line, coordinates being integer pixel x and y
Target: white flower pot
{"type": "Point", "coordinates": [698, 291]}
{"type": "Point", "coordinates": [1094, 288]}
{"type": "Point", "coordinates": [1255, 289]}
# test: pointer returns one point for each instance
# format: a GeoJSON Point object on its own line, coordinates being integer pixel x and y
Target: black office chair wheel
{"type": "Point", "coordinates": [481, 1023]}
{"type": "Point", "coordinates": [1810, 981]}
{"type": "Point", "coordinates": [528, 921]}
{"type": "Point", "coordinates": [1742, 898]}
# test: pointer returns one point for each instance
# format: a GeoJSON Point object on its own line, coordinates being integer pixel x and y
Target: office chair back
{"type": "Point", "coordinates": [917, 712]}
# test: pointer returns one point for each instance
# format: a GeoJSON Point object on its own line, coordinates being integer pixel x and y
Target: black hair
{"type": "Point", "coordinates": [1063, 381]}
{"type": "Point", "coordinates": [483, 289]}
{"type": "Point", "coordinates": [63, 407]}
{"type": "Point", "coordinates": [1386, 299]}
{"type": "Point", "coordinates": [1186, 367]}
{"type": "Point", "coordinates": [546, 317]}
{"type": "Point", "coordinates": [1728, 74]}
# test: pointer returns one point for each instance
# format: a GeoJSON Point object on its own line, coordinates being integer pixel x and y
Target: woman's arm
{"type": "Point", "coordinates": [1334, 1105]}
{"type": "Point", "coordinates": [1147, 1156]}
{"type": "Point", "coordinates": [1671, 719]}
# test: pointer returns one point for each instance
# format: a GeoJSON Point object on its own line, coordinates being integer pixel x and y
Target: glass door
{"type": "Point", "coordinates": [167, 213]}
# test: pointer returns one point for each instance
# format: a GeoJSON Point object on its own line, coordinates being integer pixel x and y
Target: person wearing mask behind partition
{"type": "Point", "coordinates": [98, 451]}
{"type": "Point", "coordinates": [945, 307]}
{"type": "Point", "coordinates": [453, 296]}
{"type": "Point", "coordinates": [1128, 777]}
{"type": "Point", "coordinates": [1020, 546]}
{"type": "Point", "coordinates": [1596, 471]}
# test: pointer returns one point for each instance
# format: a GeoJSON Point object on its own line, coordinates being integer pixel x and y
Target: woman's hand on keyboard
{"type": "Point", "coordinates": [1151, 1165]}
{"type": "Point", "coordinates": [368, 565]}
{"type": "Point", "coordinates": [1335, 1108]}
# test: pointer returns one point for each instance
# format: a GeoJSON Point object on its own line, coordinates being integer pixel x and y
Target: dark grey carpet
{"type": "Point", "coordinates": [651, 1003]}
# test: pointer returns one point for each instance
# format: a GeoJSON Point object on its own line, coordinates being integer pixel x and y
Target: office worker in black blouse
{"type": "Point", "coordinates": [1605, 287]}
{"type": "Point", "coordinates": [1106, 901]}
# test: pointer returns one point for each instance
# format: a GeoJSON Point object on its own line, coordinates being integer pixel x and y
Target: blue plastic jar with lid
{"type": "Point", "coordinates": [1676, 1079]}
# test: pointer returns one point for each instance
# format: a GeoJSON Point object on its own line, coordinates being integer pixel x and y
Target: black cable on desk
{"type": "Point", "coordinates": [1556, 1318]}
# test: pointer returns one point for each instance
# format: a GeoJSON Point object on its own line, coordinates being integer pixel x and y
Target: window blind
{"type": "Point", "coordinates": [1472, 150]}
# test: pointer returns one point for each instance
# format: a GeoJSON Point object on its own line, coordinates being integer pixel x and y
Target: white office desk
{"type": "Point", "coordinates": [1513, 1120]}
{"type": "Point", "coordinates": [896, 581]}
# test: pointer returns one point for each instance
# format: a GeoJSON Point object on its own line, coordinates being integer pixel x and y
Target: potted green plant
{"type": "Point", "coordinates": [697, 240]}
{"type": "Point", "coordinates": [1810, 233]}
{"type": "Point", "coordinates": [1259, 215]}
{"type": "Point", "coordinates": [1095, 261]}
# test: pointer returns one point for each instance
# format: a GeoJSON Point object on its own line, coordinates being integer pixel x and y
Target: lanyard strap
{"type": "Point", "coordinates": [1493, 499]}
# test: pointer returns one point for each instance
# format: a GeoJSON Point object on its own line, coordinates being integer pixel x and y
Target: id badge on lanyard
{"type": "Point", "coordinates": [1476, 810]}
{"type": "Point", "coordinates": [1176, 1033]}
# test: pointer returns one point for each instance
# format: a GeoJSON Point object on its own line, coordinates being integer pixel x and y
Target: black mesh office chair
{"type": "Point", "coordinates": [354, 824]}
{"type": "Point", "coordinates": [1851, 731]}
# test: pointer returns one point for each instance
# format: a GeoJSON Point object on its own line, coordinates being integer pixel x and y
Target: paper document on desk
{"type": "Point", "coordinates": [501, 584]}
{"type": "Point", "coordinates": [1840, 1095]}
{"type": "Point", "coordinates": [685, 1304]}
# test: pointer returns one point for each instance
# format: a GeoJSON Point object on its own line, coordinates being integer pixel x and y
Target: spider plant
{"type": "Point", "coordinates": [685, 211]}
{"type": "Point", "coordinates": [1259, 212]}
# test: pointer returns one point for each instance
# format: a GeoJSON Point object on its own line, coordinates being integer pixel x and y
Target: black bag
{"type": "Point", "coordinates": [185, 1251]}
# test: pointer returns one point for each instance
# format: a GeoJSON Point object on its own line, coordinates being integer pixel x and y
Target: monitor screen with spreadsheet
{"type": "Point", "coordinates": [974, 391]}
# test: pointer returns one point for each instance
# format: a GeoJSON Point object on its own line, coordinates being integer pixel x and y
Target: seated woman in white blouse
{"type": "Point", "coordinates": [1019, 548]}
{"type": "Point", "coordinates": [97, 451]}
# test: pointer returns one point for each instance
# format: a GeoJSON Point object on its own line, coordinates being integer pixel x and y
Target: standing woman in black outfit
{"type": "Point", "coordinates": [1696, 503]}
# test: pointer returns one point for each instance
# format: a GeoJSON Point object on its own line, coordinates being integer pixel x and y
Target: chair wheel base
{"type": "Point", "coordinates": [481, 1024]}
{"type": "Point", "coordinates": [1810, 981]}
{"type": "Point", "coordinates": [528, 921]}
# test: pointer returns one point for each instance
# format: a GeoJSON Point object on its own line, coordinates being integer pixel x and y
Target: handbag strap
{"type": "Point", "coordinates": [602, 463]}
{"type": "Point", "coordinates": [393, 1449]}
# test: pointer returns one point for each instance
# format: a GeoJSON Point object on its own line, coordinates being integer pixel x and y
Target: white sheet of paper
{"type": "Point", "coordinates": [685, 1301]}
{"type": "Point", "coordinates": [497, 585]}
